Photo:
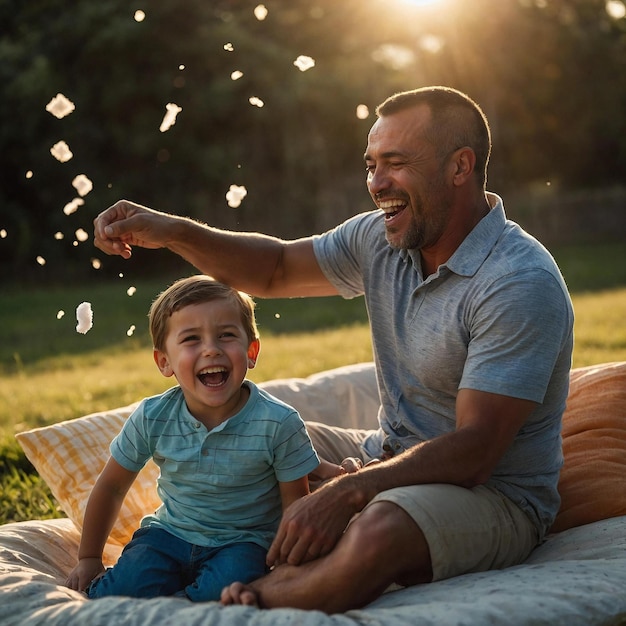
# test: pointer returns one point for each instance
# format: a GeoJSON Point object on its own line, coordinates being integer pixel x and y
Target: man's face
{"type": "Point", "coordinates": [406, 179]}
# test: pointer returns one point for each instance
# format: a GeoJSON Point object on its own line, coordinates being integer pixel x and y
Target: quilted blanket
{"type": "Point", "coordinates": [576, 578]}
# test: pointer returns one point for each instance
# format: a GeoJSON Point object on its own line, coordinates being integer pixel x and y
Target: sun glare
{"type": "Point", "coordinates": [421, 3]}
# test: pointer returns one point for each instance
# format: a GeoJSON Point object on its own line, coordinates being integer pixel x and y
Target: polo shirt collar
{"type": "Point", "coordinates": [477, 246]}
{"type": "Point", "coordinates": [471, 254]}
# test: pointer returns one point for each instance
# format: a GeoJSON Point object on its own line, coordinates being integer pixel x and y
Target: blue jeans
{"type": "Point", "coordinates": [156, 563]}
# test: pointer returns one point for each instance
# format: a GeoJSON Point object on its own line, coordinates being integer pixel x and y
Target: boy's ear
{"type": "Point", "coordinates": [162, 362]}
{"type": "Point", "coordinates": [253, 353]}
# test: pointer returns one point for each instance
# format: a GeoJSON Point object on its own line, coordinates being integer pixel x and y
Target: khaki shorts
{"type": "Point", "coordinates": [467, 530]}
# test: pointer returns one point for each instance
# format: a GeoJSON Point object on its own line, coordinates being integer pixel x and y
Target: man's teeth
{"type": "Point", "coordinates": [391, 207]}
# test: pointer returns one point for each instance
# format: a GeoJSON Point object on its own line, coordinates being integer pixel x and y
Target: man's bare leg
{"type": "Point", "coordinates": [381, 546]}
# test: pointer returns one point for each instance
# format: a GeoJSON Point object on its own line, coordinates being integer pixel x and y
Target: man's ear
{"type": "Point", "coordinates": [162, 362]}
{"type": "Point", "coordinates": [253, 353]}
{"type": "Point", "coordinates": [463, 162]}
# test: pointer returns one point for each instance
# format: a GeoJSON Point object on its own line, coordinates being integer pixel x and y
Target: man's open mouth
{"type": "Point", "coordinates": [213, 376]}
{"type": "Point", "coordinates": [392, 207]}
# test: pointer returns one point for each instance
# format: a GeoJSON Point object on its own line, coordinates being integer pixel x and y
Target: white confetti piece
{"type": "Point", "coordinates": [362, 111]}
{"type": "Point", "coordinates": [140, 16]}
{"type": "Point", "coordinates": [60, 314]}
{"type": "Point", "coordinates": [72, 207]}
{"type": "Point", "coordinates": [82, 184]}
{"type": "Point", "coordinates": [60, 106]}
{"type": "Point", "coordinates": [235, 195]}
{"type": "Point", "coordinates": [3, 233]}
{"type": "Point", "coordinates": [81, 235]}
{"type": "Point", "coordinates": [229, 47]}
{"type": "Point", "coordinates": [59, 235]}
{"type": "Point", "coordinates": [41, 260]}
{"type": "Point", "coordinates": [131, 291]}
{"type": "Point", "coordinates": [61, 152]}
{"type": "Point", "coordinates": [131, 330]}
{"type": "Point", "coordinates": [304, 63]}
{"type": "Point", "coordinates": [171, 111]}
{"type": "Point", "coordinates": [256, 102]}
{"type": "Point", "coordinates": [236, 75]}
{"type": "Point", "coordinates": [84, 317]}
{"type": "Point", "coordinates": [96, 264]}
{"type": "Point", "coordinates": [260, 12]}
{"type": "Point", "coordinates": [29, 174]}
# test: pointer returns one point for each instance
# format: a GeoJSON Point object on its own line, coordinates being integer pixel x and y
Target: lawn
{"type": "Point", "coordinates": [49, 372]}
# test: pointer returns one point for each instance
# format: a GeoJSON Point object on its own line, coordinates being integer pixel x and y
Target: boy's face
{"type": "Point", "coordinates": [209, 353]}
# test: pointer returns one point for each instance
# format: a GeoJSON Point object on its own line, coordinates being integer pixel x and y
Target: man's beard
{"type": "Point", "coordinates": [413, 238]}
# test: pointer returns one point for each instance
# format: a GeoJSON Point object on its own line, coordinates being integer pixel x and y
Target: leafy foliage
{"type": "Point", "coordinates": [529, 64]}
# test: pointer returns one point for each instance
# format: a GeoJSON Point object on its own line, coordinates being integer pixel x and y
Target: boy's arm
{"type": "Point", "coordinates": [293, 490]}
{"type": "Point", "coordinates": [102, 510]}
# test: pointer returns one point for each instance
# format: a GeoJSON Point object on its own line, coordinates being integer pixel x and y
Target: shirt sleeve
{"type": "Point", "coordinates": [518, 332]}
{"type": "Point", "coordinates": [294, 455]}
{"type": "Point", "coordinates": [338, 251]}
{"type": "Point", "coordinates": [130, 448]}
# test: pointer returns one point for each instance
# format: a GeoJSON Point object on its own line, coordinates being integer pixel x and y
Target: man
{"type": "Point", "coordinates": [472, 333]}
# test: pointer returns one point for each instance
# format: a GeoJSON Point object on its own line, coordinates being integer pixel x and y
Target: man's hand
{"type": "Point", "coordinates": [312, 525]}
{"type": "Point", "coordinates": [86, 570]}
{"type": "Point", "coordinates": [127, 224]}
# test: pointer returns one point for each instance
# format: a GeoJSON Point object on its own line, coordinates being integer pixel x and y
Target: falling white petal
{"type": "Point", "coordinates": [81, 235]}
{"type": "Point", "coordinates": [72, 207]}
{"type": "Point", "coordinates": [82, 184]}
{"type": "Point", "coordinates": [362, 111]}
{"type": "Point", "coordinates": [61, 152]}
{"type": "Point", "coordinates": [171, 111]}
{"type": "Point", "coordinates": [304, 63]}
{"type": "Point", "coordinates": [260, 12]}
{"type": "Point", "coordinates": [84, 317]}
{"type": "Point", "coordinates": [60, 106]}
{"type": "Point", "coordinates": [235, 195]}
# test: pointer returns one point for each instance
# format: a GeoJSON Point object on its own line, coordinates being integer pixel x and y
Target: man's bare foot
{"type": "Point", "coordinates": [238, 593]}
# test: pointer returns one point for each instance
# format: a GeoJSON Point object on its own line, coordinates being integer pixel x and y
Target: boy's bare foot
{"type": "Point", "coordinates": [238, 593]}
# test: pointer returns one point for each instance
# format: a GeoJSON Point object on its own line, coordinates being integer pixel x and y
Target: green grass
{"type": "Point", "coordinates": [49, 372]}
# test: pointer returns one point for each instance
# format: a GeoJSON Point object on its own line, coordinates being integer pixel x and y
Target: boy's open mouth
{"type": "Point", "coordinates": [213, 376]}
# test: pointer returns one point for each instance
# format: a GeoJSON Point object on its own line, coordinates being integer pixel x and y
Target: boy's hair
{"type": "Point", "coordinates": [197, 290]}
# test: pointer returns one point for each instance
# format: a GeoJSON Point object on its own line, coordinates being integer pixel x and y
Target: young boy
{"type": "Point", "coordinates": [232, 457]}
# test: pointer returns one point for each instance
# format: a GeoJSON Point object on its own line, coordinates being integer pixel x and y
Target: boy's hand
{"type": "Point", "coordinates": [327, 470]}
{"type": "Point", "coordinates": [86, 570]}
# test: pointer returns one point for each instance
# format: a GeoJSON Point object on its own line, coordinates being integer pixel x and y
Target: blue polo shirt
{"type": "Point", "coordinates": [495, 317]}
{"type": "Point", "coordinates": [218, 486]}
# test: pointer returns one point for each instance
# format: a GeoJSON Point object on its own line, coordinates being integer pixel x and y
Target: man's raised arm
{"type": "Point", "coordinates": [258, 264]}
